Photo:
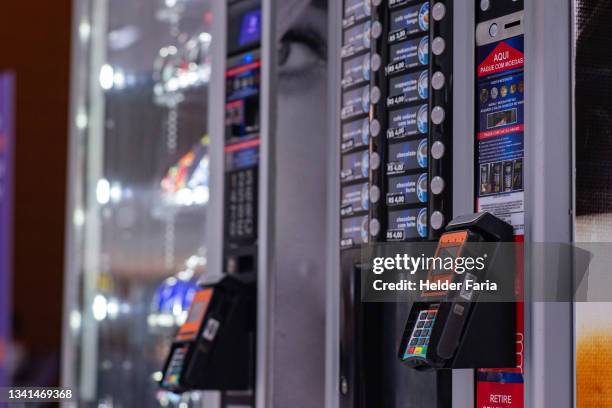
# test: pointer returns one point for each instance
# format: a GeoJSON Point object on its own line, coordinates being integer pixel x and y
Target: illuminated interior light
{"type": "Point", "coordinates": [84, 30]}
{"type": "Point", "coordinates": [165, 320]}
{"type": "Point", "coordinates": [107, 77]}
{"type": "Point", "coordinates": [99, 307]}
{"type": "Point", "coordinates": [182, 318]}
{"type": "Point", "coordinates": [75, 320]}
{"type": "Point", "coordinates": [103, 191]}
{"type": "Point", "coordinates": [205, 37]}
{"type": "Point", "coordinates": [78, 218]}
{"type": "Point", "coordinates": [115, 192]}
{"type": "Point", "coordinates": [185, 275]}
{"type": "Point", "coordinates": [119, 80]}
{"type": "Point", "coordinates": [81, 121]}
{"type": "Point", "coordinates": [177, 308]}
{"type": "Point", "coordinates": [192, 262]}
{"type": "Point", "coordinates": [112, 308]}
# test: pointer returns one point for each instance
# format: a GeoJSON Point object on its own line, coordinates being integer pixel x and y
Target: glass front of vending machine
{"type": "Point", "coordinates": [138, 194]}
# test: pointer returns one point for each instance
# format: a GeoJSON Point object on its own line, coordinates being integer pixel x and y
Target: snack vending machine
{"type": "Point", "coordinates": [396, 158]}
{"type": "Point", "coordinates": [445, 108]}
{"type": "Point", "coordinates": [215, 349]}
{"type": "Point", "coordinates": [259, 313]}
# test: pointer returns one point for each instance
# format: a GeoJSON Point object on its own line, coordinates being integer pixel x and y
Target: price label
{"type": "Point", "coordinates": [346, 242]}
{"type": "Point", "coordinates": [349, 21]}
{"type": "Point", "coordinates": [395, 167]}
{"type": "Point", "coordinates": [347, 145]}
{"type": "Point", "coordinates": [399, 35]}
{"type": "Point", "coordinates": [397, 3]}
{"type": "Point", "coordinates": [346, 173]}
{"type": "Point", "coordinates": [346, 210]}
{"type": "Point", "coordinates": [395, 67]}
{"type": "Point", "coordinates": [396, 132]}
{"type": "Point", "coordinates": [395, 235]}
{"type": "Point", "coordinates": [347, 50]}
{"type": "Point", "coordinates": [395, 100]}
{"type": "Point", "coordinates": [347, 111]}
{"type": "Point", "coordinates": [346, 82]}
{"type": "Point", "coordinates": [396, 199]}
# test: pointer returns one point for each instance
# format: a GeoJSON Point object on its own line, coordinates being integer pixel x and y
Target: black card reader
{"type": "Point", "coordinates": [215, 348]}
{"type": "Point", "coordinates": [450, 328]}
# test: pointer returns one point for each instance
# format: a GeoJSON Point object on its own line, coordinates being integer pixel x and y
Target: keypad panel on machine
{"type": "Point", "coordinates": [421, 333]}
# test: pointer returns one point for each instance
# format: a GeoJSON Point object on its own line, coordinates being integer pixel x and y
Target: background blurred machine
{"type": "Point", "coordinates": [139, 189]}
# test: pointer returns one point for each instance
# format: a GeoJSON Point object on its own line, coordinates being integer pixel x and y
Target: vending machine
{"type": "Point", "coordinates": [255, 332]}
{"type": "Point", "coordinates": [138, 194]}
{"type": "Point", "coordinates": [445, 109]}
{"type": "Point", "coordinates": [395, 127]}
{"type": "Point", "coordinates": [215, 348]}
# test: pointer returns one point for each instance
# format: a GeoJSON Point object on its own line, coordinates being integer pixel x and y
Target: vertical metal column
{"type": "Point", "coordinates": [548, 197]}
{"type": "Point", "coordinates": [216, 121]}
{"type": "Point", "coordinates": [81, 29]}
{"type": "Point", "coordinates": [332, 312]}
{"type": "Point", "coordinates": [216, 130]}
{"type": "Point", "coordinates": [265, 283]}
{"type": "Point", "coordinates": [215, 226]}
{"type": "Point", "coordinates": [463, 150]}
{"type": "Point", "coordinates": [85, 122]}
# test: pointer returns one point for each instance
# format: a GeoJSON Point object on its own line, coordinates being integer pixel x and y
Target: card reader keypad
{"type": "Point", "coordinates": [419, 339]}
{"type": "Point", "coordinates": [175, 367]}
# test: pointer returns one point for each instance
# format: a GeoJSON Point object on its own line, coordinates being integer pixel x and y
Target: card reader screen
{"type": "Point", "coordinates": [189, 330]}
{"type": "Point", "coordinates": [443, 253]}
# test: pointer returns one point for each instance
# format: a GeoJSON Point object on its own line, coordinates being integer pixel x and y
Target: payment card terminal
{"type": "Point", "coordinates": [451, 325]}
{"type": "Point", "coordinates": [215, 348]}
